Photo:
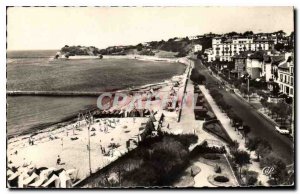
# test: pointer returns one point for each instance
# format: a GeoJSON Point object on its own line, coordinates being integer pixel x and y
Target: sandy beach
{"type": "Point", "coordinates": [69, 140]}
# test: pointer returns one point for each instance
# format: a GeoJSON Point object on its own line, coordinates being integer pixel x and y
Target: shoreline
{"type": "Point", "coordinates": [47, 127]}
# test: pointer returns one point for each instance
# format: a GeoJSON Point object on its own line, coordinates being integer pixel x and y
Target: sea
{"type": "Point", "coordinates": [35, 71]}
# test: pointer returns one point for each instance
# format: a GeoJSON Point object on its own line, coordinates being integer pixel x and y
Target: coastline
{"type": "Point", "coordinates": [48, 127]}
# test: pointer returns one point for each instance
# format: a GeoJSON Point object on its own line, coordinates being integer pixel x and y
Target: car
{"type": "Point", "coordinates": [282, 130]}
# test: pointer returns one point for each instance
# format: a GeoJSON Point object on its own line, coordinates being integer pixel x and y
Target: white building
{"type": "Point", "coordinates": [197, 47]}
{"type": "Point", "coordinates": [286, 76]}
{"type": "Point", "coordinates": [225, 49]}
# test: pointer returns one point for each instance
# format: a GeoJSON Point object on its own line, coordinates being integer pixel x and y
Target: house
{"type": "Point", "coordinates": [254, 64]}
{"type": "Point", "coordinates": [240, 63]}
{"type": "Point", "coordinates": [197, 47]}
{"type": "Point", "coordinates": [286, 76]}
{"type": "Point", "coordinates": [270, 66]}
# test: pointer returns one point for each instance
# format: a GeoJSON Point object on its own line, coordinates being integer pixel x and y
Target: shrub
{"type": "Point", "coordinates": [218, 169]}
{"type": "Point", "coordinates": [251, 180]}
{"type": "Point", "coordinates": [221, 179]}
{"type": "Point", "coordinates": [211, 156]}
{"type": "Point", "coordinates": [251, 177]}
{"type": "Point", "coordinates": [204, 149]}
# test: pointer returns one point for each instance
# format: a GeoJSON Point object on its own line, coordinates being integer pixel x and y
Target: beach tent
{"type": "Point", "coordinates": [65, 180]}
{"type": "Point", "coordinates": [13, 176]}
{"type": "Point", "coordinates": [21, 179]}
{"type": "Point", "coordinates": [53, 180]}
{"type": "Point", "coordinates": [47, 172]}
{"type": "Point", "coordinates": [9, 173]}
{"type": "Point", "coordinates": [72, 173]}
{"type": "Point", "coordinates": [39, 170]}
{"type": "Point", "coordinates": [34, 177]}
{"type": "Point", "coordinates": [39, 182]}
{"type": "Point", "coordinates": [12, 181]}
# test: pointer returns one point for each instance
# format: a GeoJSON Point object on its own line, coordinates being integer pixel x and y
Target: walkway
{"type": "Point", "coordinates": [235, 135]}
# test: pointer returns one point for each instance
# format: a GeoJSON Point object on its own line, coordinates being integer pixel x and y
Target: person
{"type": "Point", "coordinates": [25, 164]}
{"type": "Point", "coordinates": [62, 142]}
{"type": "Point", "coordinates": [58, 160]}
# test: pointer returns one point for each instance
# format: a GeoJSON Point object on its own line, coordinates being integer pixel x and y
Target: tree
{"type": "Point", "coordinates": [279, 46]}
{"type": "Point", "coordinates": [283, 111]}
{"type": "Point", "coordinates": [241, 158]}
{"type": "Point", "coordinates": [248, 33]}
{"type": "Point", "coordinates": [232, 33]}
{"type": "Point", "coordinates": [246, 131]}
{"type": "Point", "coordinates": [264, 103]}
{"type": "Point", "coordinates": [263, 148]}
{"type": "Point", "coordinates": [279, 173]}
{"type": "Point", "coordinates": [252, 144]}
{"type": "Point", "coordinates": [196, 77]}
{"type": "Point", "coordinates": [139, 47]}
{"type": "Point", "coordinates": [234, 146]}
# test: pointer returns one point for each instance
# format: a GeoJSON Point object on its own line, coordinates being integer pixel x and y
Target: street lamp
{"type": "Point", "coordinates": [248, 78]}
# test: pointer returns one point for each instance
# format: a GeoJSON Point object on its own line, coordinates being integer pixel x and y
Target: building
{"type": "Point", "coordinates": [224, 49]}
{"type": "Point", "coordinates": [270, 66]}
{"type": "Point", "coordinates": [254, 64]}
{"type": "Point", "coordinates": [197, 47]}
{"type": "Point", "coordinates": [286, 76]}
{"type": "Point", "coordinates": [193, 37]}
{"type": "Point", "coordinates": [240, 63]}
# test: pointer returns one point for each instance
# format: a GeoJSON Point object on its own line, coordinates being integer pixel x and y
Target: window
{"type": "Point", "coordinates": [285, 80]}
{"type": "Point", "coordinates": [291, 91]}
{"type": "Point", "coordinates": [292, 81]}
{"type": "Point", "coordinates": [287, 90]}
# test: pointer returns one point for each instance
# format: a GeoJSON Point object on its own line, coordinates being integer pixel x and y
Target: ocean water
{"type": "Point", "coordinates": [31, 70]}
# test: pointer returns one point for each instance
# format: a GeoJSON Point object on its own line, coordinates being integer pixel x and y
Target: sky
{"type": "Point", "coordinates": [35, 28]}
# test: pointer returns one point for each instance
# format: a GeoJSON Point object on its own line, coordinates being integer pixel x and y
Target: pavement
{"type": "Point", "coordinates": [234, 135]}
{"type": "Point", "coordinates": [260, 127]}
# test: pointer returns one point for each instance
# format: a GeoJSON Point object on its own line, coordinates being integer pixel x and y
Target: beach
{"type": "Point", "coordinates": [69, 140]}
{"type": "Point", "coordinates": [76, 78]}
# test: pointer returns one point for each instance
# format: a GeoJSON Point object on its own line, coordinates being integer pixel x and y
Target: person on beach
{"type": "Point", "coordinates": [58, 160]}
{"type": "Point", "coordinates": [62, 143]}
{"type": "Point", "coordinates": [25, 164]}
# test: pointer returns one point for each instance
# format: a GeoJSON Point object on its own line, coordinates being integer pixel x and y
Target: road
{"type": "Point", "coordinates": [260, 127]}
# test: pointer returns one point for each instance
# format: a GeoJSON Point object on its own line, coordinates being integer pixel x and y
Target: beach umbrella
{"type": "Point", "coordinates": [65, 180]}
{"type": "Point", "coordinates": [28, 180]}
{"type": "Point", "coordinates": [54, 179]}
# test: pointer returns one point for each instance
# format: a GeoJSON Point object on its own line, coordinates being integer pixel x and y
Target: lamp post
{"type": "Point", "coordinates": [248, 88]}
{"type": "Point", "coordinates": [89, 146]}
